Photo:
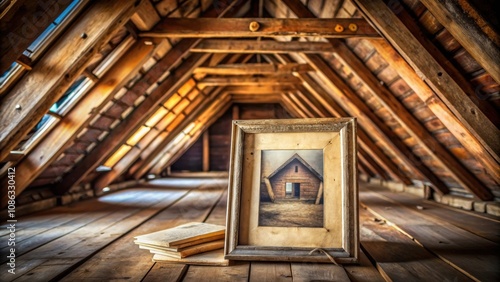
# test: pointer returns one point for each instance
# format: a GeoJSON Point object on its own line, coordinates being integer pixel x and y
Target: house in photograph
{"type": "Point", "coordinates": [294, 179]}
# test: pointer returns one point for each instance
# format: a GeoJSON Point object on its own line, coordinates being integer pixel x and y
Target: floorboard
{"type": "Point", "coordinates": [93, 240]}
{"type": "Point", "coordinates": [469, 253]}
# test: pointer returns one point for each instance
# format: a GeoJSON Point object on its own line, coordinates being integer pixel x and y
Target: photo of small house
{"type": "Point", "coordinates": [291, 189]}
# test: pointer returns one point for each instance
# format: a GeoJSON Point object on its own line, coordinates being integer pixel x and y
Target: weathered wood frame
{"type": "Point", "coordinates": [346, 128]}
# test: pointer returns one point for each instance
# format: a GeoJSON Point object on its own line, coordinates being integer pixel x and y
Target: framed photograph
{"type": "Point", "coordinates": [293, 192]}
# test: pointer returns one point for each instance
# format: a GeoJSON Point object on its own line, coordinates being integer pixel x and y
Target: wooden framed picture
{"type": "Point", "coordinates": [293, 192]}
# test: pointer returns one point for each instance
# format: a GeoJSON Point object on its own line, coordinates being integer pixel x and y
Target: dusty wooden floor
{"type": "Point", "coordinates": [93, 240]}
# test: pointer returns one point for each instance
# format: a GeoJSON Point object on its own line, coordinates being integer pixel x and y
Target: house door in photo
{"type": "Point", "coordinates": [292, 190]}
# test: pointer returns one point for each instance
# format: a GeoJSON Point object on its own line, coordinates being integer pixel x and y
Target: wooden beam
{"type": "Point", "coordinates": [60, 137]}
{"type": "Point", "coordinates": [270, 89]}
{"type": "Point", "coordinates": [166, 64]}
{"type": "Point", "coordinates": [439, 108]}
{"type": "Point", "coordinates": [206, 151]}
{"type": "Point", "coordinates": [22, 24]}
{"type": "Point", "coordinates": [364, 140]}
{"type": "Point", "coordinates": [57, 70]}
{"type": "Point", "coordinates": [261, 27]}
{"type": "Point", "coordinates": [146, 16]}
{"type": "Point", "coordinates": [145, 160]}
{"type": "Point", "coordinates": [258, 47]}
{"type": "Point", "coordinates": [363, 112]}
{"type": "Point", "coordinates": [435, 75]}
{"type": "Point", "coordinates": [250, 69]}
{"type": "Point", "coordinates": [141, 113]}
{"type": "Point", "coordinates": [241, 81]}
{"type": "Point", "coordinates": [457, 21]}
{"type": "Point", "coordinates": [371, 164]}
{"type": "Point", "coordinates": [259, 99]}
{"type": "Point", "coordinates": [160, 158]}
{"type": "Point", "coordinates": [179, 151]}
{"type": "Point", "coordinates": [411, 124]}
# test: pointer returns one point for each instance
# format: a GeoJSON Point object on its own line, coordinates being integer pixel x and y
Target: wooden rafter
{"type": "Point", "coordinates": [364, 140]}
{"type": "Point", "coordinates": [453, 16]}
{"type": "Point", "coordinates": [258, 47]}
{"type": "Point", "coordinates": [53, 74]}
{"type": "Point", "coordinates": [256, 90]}
{"type": "Point", "coordinates": [162, 164]}
{"type": "Point", "coordinates": [380, 129]}
{"type": "Point", "coordinates": [61, 136]}
{"type": "Point", "coordinates": [241, 81]}
{"type": "Point", "coordinates": [438, 107]}
{"type": "Point", "coordinates": [250, 69]}
{"type": "Point", "coordinates": [406, 119]}
{"type": "Point", "coordinates": [156, 157]}
{"type": "Point", "coordinates": [166, 64]}
{"type": "Point", "coordinates": [261, 27]}
{"type": "Point", "coordinates": [435, 75]}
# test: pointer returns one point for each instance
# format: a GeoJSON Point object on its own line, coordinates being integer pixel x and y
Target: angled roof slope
{"type": "Point", "coordinates": [299, 159]}
{"type": "Point", "coordinates": [130, 94]}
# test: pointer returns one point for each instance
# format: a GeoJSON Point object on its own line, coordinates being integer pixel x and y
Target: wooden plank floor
{"type": "Point", "coordinates": [93, 240]}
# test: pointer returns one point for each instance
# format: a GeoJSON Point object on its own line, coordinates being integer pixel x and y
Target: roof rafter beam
{"type": "Point", "coordinates": [54, 74]}
{"type": "Point", "coordinates": [259, 47]}
{"type": "Point", "coordinates": [411, 124]}
{"type": "Point", "coordinates": [435, 75]}
{"type": "Point", "coordinates": [261, 27]}
{"type": "Point", "coordinates": [439, 108]}
{"type": "Point", "coordinates": [116, 137]}
{"type": "Point", "coordinates": [162, 164]}
{"type": "Point", "coordinates": [364, 140]}
{"type": "Point", "coordinates": [454, 17]}
{"type": "Point", "coordinates": [156, 155]}
{"type": "Point", "coordinates": [60, 137]}
{"type": "Point", "coordinates": [250, 69]}
{"type": "Point", "coordinates": [240, 81]}
{"type": "Point", "coordinates": [345, 94]}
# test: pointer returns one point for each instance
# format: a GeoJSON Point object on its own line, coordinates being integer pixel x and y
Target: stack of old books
{"type": "Point", "coordinates": [195, 242]}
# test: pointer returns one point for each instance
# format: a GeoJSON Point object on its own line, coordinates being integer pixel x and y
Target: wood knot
{"type": "Point", "coordinates": [254, 26]}
{"type": "Point", "coordinates": [353, 27]}
{"type": "Point", "coordinates": [339, 28]}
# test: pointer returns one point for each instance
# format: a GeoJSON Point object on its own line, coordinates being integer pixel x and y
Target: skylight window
{"type": "Point", "coordinates": [42, 41]}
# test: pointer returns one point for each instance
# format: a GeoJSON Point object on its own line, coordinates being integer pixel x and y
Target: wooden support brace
{"type": "Point", "coordinates": [269, 188]}
{"type": "Point", "coordinates": [261, 27]}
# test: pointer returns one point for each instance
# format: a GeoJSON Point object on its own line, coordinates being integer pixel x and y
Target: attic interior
{"type": "Point", "coordinates": [115, 120]}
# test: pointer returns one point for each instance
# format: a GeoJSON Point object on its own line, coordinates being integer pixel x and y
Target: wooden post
{"type": "Point", "coordinates": [269, 188]}
{"type": "Point", "coordinates": [320, 193]}
{"type": "Point", "coordinates": [206, 151]}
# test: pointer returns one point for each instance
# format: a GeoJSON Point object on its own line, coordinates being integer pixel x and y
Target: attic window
{"type": "Point", "coordinates": [36, 48]}
{"type": "Point", "coordinates": [296, 168]}
{"type": "Point", "coordinates": [55, 27]}
{"type": "Point", "coordinates": [71, 95]}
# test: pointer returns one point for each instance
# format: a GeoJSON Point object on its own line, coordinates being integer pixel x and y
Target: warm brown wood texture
{"type": "Point", "coordinates": [438, 79]}
{"type": "Point", "coordinates": [202, 27]}
{"type": "Point", "coordinates": [262, 46]}
{"type": "Point", "coordinates": [457, 21]}
{"type": "Point", "coordinates": [438, 107]}
{"type": "Point", "coordinates": [58, 68]}
{"type": "Point", "coordinates": [71, 250]}
{"type": "Point", "coordinates": [249, 69]}
{"type": "Point", "coordinates": [59, 138]}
